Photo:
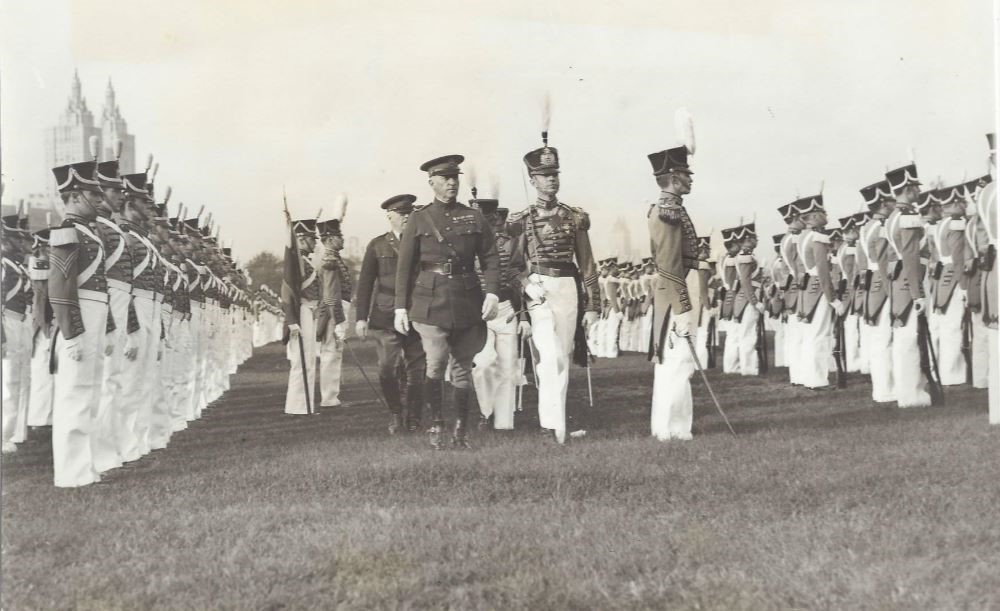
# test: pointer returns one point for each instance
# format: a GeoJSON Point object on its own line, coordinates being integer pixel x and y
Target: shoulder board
{"type": "Point", "coordinates": [582, 218]}
{"type": "Point", "coordinates": [515, 217]}
{"type": "Point", "coordinates": [63, 236]}
{"type": "Point", "coordinates": [910, 221]}
{"type": "Point", "coordinates": [957, 224]}
{"type": "Point", "coordinates": [821, 237]}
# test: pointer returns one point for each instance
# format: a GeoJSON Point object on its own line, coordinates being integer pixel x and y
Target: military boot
{"type": "Point", "coordinates": [461, 399]}
{"type": "Point", "coordinates": [414, 405]}
{"type": "Point", "coordinates": [390, 390]}
{"type": "Point", "coordinates": [433, 390]}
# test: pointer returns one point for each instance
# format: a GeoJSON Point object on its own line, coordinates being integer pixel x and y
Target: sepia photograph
{"type": "Point", "coordinates": [499, 305]}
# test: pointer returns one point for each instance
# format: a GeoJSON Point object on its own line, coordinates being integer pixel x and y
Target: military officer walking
{"type": "Point", "coordinates": [333, 311]}
{"type": "Point", "coordinates": [375, 303]}
{"type": "Point", "coordinates": [300, 320]}
{"type": "Point", "coordinates": [438, 292]}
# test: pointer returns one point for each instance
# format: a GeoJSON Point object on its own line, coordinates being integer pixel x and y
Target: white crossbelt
{"type": "Point", "coordinates": [87, 273]}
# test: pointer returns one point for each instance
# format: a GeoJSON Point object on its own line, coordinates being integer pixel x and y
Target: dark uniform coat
{"type": "Point", "coordinates": [376, 294]}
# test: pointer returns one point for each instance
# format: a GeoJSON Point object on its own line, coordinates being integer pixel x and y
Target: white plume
{"type": "Point", "coordinates": [149, 161]}
{"type": "Point", "coordinates": [156, 168]}
{"type": "Point", "coordinates": [118, 149]}
{"type": "Point", "coordinates": [546, 112]}
{"type": "Point", "coordinates": [684, 127]}
{"type": "Point", "coordinates": [93, 147]}
{"type": "Point", "coordinates": [166, 196]}
{"type": "Point", "coordinates": [343, 207]}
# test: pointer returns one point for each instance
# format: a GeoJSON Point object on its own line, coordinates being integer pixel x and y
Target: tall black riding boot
{"type": "Point", "coordinates": [461, 398]}
{"type": "Point", "coordinates": [390, 390]}
{"type": "Point", "coordinates": [433, 390]}
{"type": "Point", "coordinates": [414, 405]}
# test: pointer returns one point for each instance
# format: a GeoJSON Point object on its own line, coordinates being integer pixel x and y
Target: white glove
{"type": "Point", "coordinates": [490, 304]}
{"type": "Point", "coordinates": [682, 324]}
{"type": "Point", "coordinates": [589, 318]}
{"type": "Point", "coordinates": [524, 329]}
{"type": "Point", "coordinates": [918, 305]}
{"type": "Point", "coordinates": [839, 307]}
{"type": "Point", "coordinates": [294, 330]}
{"type": "Point", "coordinates": [340, 331]}
{"type": "Point", "coordinates": [402, 321]}
{"type": "Point", "coordinates": [109, 349]}
{"type": "Point", "coordinates": [534, 291]}
{"type": "Point", "coordinates": [760, 306]}
{"type": "Point", "coordinates": [361, 328]}
{"type": "Point", "coordinates": [74, 349]}
{"type": "Point", "coordinates": [131, 347]}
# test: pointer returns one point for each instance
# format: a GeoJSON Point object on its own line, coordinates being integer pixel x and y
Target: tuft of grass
{"type": "Point", "coordinates": [824, 500]}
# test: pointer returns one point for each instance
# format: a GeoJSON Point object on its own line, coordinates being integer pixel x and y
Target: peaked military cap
{"type": "Point", "coordinates": [227, 252]}
{"type": "Point", "coordinates": [42, 235]}
{"type": "Point", "coordinates": [900, 177]}
{"type": "Point", "coordinates": [776, 239]}
{"type": "Point", "coordinates": [744, 231]}
{"type": "Point", "coordinates": [854, 221]}
{"type": "Point", "coordinates": [875, 193]}
{"type": "Point", "coordinates": [191, 226]}
{"type": "Point", "coordinates": [400, 203]}
{"type": "Point", "coordinates": [135, 185]}
{"type": "Point", "coordinates": [443, 166]}
{"type": "Point", "coordinates": [727, 235]}
{"type": "Point", "coordinates": [107, 174]}
{"type": "Point", "coordinates": [11, 222]}
{"type": "Point", "coordinates": [304, 227]}
{"type": "Point", "coordinates": [77, 177]}
{"type": "Point", "coordinates": [788, 212]}
{"type": "Point", "coordinates": [806, 205]}
{"type": "Point", "coordinates": [670, 160]}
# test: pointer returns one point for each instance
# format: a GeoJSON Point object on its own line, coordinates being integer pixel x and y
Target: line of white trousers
{"type": "Point", "coordinates": [179, 357]}
{"type": "Point", "coordinates": [982, 363]}
{"type": "Point", "coordinates": [40, 400]}
{"type": "Point", "coordinates": [793, 346]}
{"type": "Point", "coordinates": [612, 331]}
{"type": "Point", "coordinates": [701, 337]}
{"type": "Point", "coordinates": [779, 342]}
{"type": "Point", "coordinates": [852, 343]}
{"type": "Point", "coordinates": [817, 345]}
{"type": "Point", "coordinates": [107, 448]}
{"type": "Point", "coordinates": [161, 423]}
{"type": "Point", "coordinates": [746, 330]}
{"type": "Point", "coordinates": [946, 331]}
{"type": "Point", "coordinates": [880, 356]}
{"type": "Point", "coordinates": [731, 349]}
{"type": "Point", "coordinates": [76, 399]}
{"type": "Point", "coordinates": [331, 359]}
{"type": "Point", "coordinates": [553, 326]}
{"type": "Point", "coordinates": [16, 372]}
{"type": "Point", "coordinates": [494, 374]}
{"type": "Point", "coordinates": [196, 348]}
{"type": "Point", "coordinates": [295, 396]}
{"type": "Point", "coordinates": [672, 413]}
{"type": "Point", "coordinates": [993, 394]}
{"type": "Point", "coordinates": [909, 381]}
{"type": "Point", "coordinates": [139, 392]}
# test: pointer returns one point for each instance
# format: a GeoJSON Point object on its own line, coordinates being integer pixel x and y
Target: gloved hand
{"type": "Point", "coordinates": [340, 331]}
{"type": "Point", "coordinates": [759, 306]}
{"type": "Point", "coordinates": [534, 291]}
{"type": "Point", "coordinates": [589, 318]}
{"type": "Point", "coordinates": [682, 325]}
{"type": "Point", "coordinates": [361, 328]}
{"type": "Point", "coordinates": [109, 349]}
{"type": "Point", "coordinates": [919, 305]}
{"type": "Point", "coordinates": [524, 329]}
{"type": "Point", "coordinates": [74, 349]}
{"type": "Point", "coordinates": [402, 321]}
{"type": "Point", "coordinates": [839, 307]}
{"type": "Point", "coordinates": [294, 330]}
{"type": "Point", "coordinates": [131, 346]}
{"type": "Point", "coordinates": [490, 304]}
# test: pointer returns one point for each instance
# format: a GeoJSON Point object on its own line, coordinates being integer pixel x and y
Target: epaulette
{"type": "Point", "coordinates": [62, 236]}
{"type": "Point", "coordinates": [581, 217]}
{"type": "Point", "coordinates": [821, 236]}
{"type": "Point", "coordinates": [517, 216]}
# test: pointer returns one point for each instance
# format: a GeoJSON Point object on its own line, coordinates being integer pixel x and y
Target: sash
{"type": "Point", "coordinates": [20, 279]}
{"type": "Point", "coordinates": [86, 274]}
{"type": "Point", "coordinates": [112, 258]}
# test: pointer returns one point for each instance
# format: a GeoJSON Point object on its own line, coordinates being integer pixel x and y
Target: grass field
{"type": "Point", "coordinates": [823, 501]}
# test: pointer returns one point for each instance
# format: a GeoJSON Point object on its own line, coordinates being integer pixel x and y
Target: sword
{"type": "Point", "coordinates": [354, 358]}
{"type": "Point", "coordinates": [704, 377]}
{"type": "Point", "coordinates": [305, 374]}
{"type": "Point", "coordinates": [590, 385]}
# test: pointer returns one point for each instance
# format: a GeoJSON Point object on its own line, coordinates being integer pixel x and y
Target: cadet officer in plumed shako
{"type": "Point", "coordinates": [301, 323]}
{"type": "Point", "coordinates": [374, 305]}
{"type": "Point", "coordinates": [818, 300]}
{"type": "Point", "coordinates": [877, 311]}
{"type": "Point", "coordinates": [730, 279]}
{"type": "Point", "coordinates": [777, 271]}
{"type": "Point", "coordinates": [675, 252]}
{"type": "Point", "coordinates": [439, 294]}
{"type": "Point", "coordinates": [904, 229]}
{"type": "Point", "coordinates": [495, 374]}
{"type": "Point", "coordinates": [852, 268]}
{"type": "Point", "coordinates": [948, 285]}
{"type": "Point", "coordinates": [790, 289]}
{"type": "Point", "coordinates": [747, 306]}
{"type": "Point", "coordinates": [78, 292]}
{"type": "Point", "coordinates": [558, 275]}
{"type": "Point", "coordinates": [333, 312]}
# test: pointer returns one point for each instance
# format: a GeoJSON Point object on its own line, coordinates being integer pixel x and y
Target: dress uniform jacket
{"type": "Point", "coordinates": [948, 271]}
{"type": "Point", "coordinates": [675, 252]}
{"type": "Point", "coordinates": [76, 260]}
{"type": "Point", "coordinates": [744, 291]}
{"type": "Point", "coordinates": [987, 208]}
{"type": "Point", "coordinates": [335, 283]}
{"type": "Point", "coordinates": [447, 237]}
{"type": "Point", "coordinates": [790, 286]}
{"type": "Point", "coordinates": [775, 298]}
{"type": "Point", "coordinates": [376, 294]}
{"type": "Point", "coordinates": [730, 278]}
{"type": "Point", "coordinates": [876, 277]}
{"type": "Point", "coordinates": [817, 281]}
{"type": "Point", "coordinates": [904, 230]}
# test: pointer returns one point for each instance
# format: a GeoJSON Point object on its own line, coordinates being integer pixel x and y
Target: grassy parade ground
{"type": "Point", "coordinates": [823, 500]}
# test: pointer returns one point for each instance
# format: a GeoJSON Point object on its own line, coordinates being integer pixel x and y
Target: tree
{"type": "Point", "coordinates": [265, 268]}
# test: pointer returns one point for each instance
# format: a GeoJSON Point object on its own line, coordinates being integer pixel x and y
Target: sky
{"type": "Point", "coordinates": [237, 99]}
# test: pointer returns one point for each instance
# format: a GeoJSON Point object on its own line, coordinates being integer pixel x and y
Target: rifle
{"type": "Point", "coordinates": [928, 361]}
{"type": "Point", "coordinates": [761, 345]}
{"type": "Point", "coordinates": [711, 342]}
{"type": "Point", "coordinates": [967, 344]}
{"type": "Point", "coordinates": [839, 344]}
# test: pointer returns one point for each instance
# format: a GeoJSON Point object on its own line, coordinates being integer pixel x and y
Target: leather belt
{"type": "Point", "coordinates": [119, 285]}
{"type": "Point", "coordinates": [447, 268]}
{"type": "Point", "coordinates": [144, 293]}
{"type": "Point", "coordinates": [90, 295]}
{"type": "Point", "coordinates": [556, 270]}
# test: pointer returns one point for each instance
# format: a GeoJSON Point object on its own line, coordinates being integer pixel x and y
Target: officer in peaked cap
{"type": "Point", "coordinates": [494, 374]}
{"type": "Point", "coordinates": [438, 292]}
{"type": "Point", "coordinates": [790, 288]}
{"type": "Point", "coordinates": [78, 293]}
{"type": "Point", "coordinates": [41, 379]}
{"type": "Point", "coordinates": [301, 323]}
{"type": "Point", "coordinates": [977, 241]}
{"type": "Point", "coordinates": [333, 312]}
{"type": "Point", "coordinates": [904, 232]}
{"type": "Point", "coordinates": [375, 303]}
{"type": "Point", "coordinates": [555, 264]}
{"type": "Point", "coordinates": [675, 252]}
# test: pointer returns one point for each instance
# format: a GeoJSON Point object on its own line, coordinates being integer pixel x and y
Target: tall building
{"type": "Point", "coordinates": [621, 241]}
{"type": "Point", "coordinates": [68, 141]}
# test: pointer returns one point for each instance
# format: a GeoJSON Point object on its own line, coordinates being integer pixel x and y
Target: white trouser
{"type": "Point", "coordinates": [672, 412]}
{"type": "Point", "coordinates": [701, 337]}
{"type": "Point", "coordinates": [910, 383]}
{"type": "Point", "coordinates": [731, 349]}
{"type": "Point", "coordinates": [880, 356]}
{"type": "Point", "coordinates": [40, 401]}
{"type": "Point", "coordinates": [595, 339]}
{"type": "Point", "coordinates": [864, 348]}
{"type": "Point", "coordinates": [746, 330]}
{"type": "Point", "coordinates": [161, 425]}
{"type": "Point", "coordinates": [195, 379]}
{"type": "Point", "coordinates": [181, 343]}
{"type": "Point", "coordinates": [993, 395]}
{"type": "Point", "coordinates": [646, 330]}
{"type": "Point", "coordinates": [16, 366]}
{"type": "Point", "coordinates": [982, 363]}
{"type": "Point", "coordinates": [107, 448]}
{"type": "Point", "coordinates": [295, 397]}
{"type": "Point", "coordinates": [140, 392]}
{"type": "Point", "coordinates": [494, 374]}
{"type": "Point", "coordinates": [852, 342]}
{"type": "Point", "coordinates": [553, 326]}
{"type": "Point", "coordinates": [817, 346]}
{"type": "Point", "coordinates": [612, 329]}
{"type": "Point", "coordinates": [793, 342]}
{"type": "Point", "coordinates": [331, 358]}
{"type": "Point", "coordinates": [779, 342]}
{"type": "Point", "coordinates": [947, 334]}
{"type": "Point", "coordinates": [76, 399]}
